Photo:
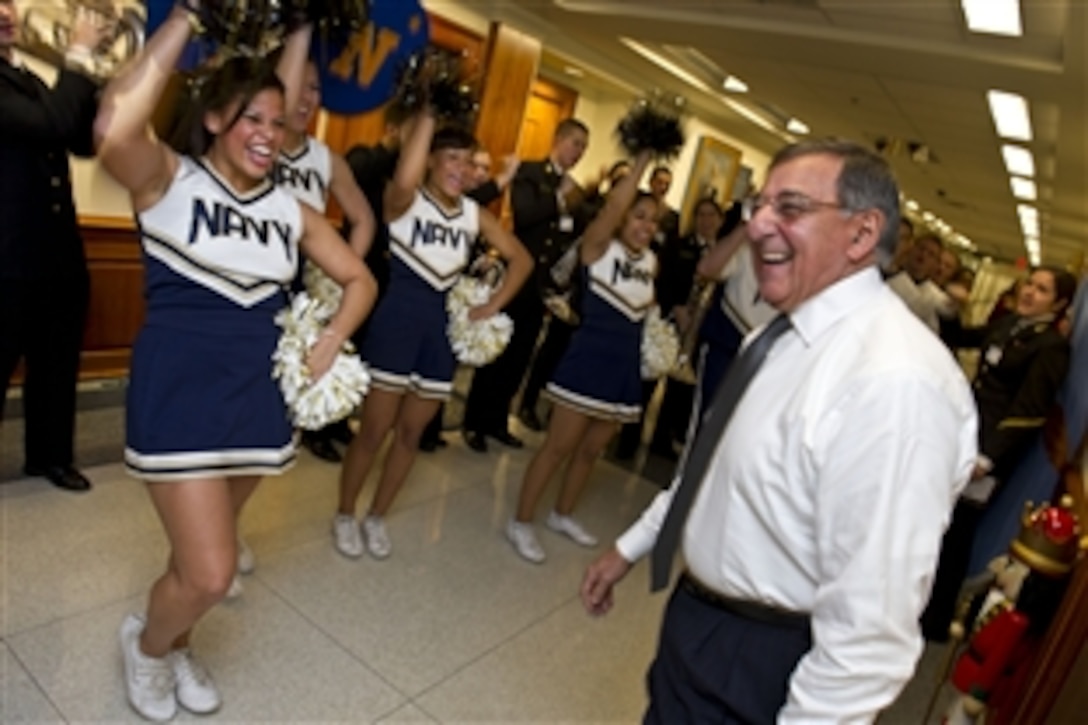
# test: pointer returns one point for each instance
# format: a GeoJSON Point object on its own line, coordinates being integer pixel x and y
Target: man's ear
{"type": "Point", "coordinates": [868, 226]}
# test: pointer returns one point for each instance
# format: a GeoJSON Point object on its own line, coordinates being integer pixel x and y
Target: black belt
{"type": "Point", "coordinates": [744, 609]}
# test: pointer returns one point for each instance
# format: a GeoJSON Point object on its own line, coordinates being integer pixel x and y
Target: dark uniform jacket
{"type": "Point", "coordinates": [39, 126]}
{"type": "Point", "coordinates": [678, 261]}
{"type": "Point", "coordinates": [537, 219]}
{"type": "Point", "coordinates": [1021, 368]}
{"type": "Point", "coordinates": [372, 167]}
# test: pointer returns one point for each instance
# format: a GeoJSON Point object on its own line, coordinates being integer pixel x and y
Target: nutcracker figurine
{"type": "Point", "coordinates": [1012, 616]}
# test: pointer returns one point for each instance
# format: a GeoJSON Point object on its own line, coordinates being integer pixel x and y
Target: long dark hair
{"type": "Point", "coordinates": [1065, 284]}
{"type": "Point", "coordinates": [237, 80]}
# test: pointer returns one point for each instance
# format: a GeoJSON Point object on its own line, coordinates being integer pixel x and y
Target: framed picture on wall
{"type": "Point", "coordinates": [713, 174]}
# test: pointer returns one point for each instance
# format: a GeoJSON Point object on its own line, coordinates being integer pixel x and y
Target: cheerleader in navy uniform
{"type": "Point", "coordinates": [310, 171]}
{"type": "Point", "coordinates": [205, 419]}
{"type": "Point", "coordinates": [597, 384]}
{"type": "Point", "coordinates": [432, 227]}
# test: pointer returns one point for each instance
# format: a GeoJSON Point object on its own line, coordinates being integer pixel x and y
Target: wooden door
{"type": "Point", "coordinates": [549, 103]}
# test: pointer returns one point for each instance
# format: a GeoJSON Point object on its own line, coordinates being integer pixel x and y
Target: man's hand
{"type": "Point", "coordinates": [600, 577]}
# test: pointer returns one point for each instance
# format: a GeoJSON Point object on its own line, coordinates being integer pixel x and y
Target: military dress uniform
{"type": "Point", "coordinates": [546, 231]}
{"type": "Point", "coordinates": [1022, 366]}
{"type": "Point", "coordinates": [43, 272]}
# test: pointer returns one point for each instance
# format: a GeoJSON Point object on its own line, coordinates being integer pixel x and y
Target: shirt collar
{"type": "Point", "coordinates": [822, 312]}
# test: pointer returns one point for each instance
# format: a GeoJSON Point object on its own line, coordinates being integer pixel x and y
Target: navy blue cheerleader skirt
{"type": "Point", "coordinates": [204, 405]}
{"type": "Point", "coordinates": [599, 376]}
{"type": "Point", "coordinates": [406, 347]}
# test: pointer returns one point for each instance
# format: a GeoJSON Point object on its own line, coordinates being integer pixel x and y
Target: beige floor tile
{"type": "Point", "coordinates": [406, 715]}
{"type": "Point", "coordinates": [21, 700]}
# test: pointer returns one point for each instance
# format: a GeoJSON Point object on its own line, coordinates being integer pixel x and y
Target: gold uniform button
{"type": "Point", "coordinates": [56, 208]}
{"type": "Point", "coordinates": [55, 181]}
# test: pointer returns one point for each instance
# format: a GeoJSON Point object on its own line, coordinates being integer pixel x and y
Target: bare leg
{"type": "Point", "coordinates": [379, 413]}
{"type": "Point", "coordinates": [199, 520]}
{"type": "Point", "coordinates": [415, 414]}
{"type": "Point", "coordinates": [581, 464]}
{"type": "Point", "coordinates": [565, 430]}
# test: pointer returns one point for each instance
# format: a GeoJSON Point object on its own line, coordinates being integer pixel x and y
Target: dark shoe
{"type": "Point", "coordinates": [625, 453]}
{"type": "Point", "coordinates": [529, 419]}
{"type": "Point", "coordinates": [475, 441]}
{"type": "Point", "coordinates": [323, 449]}
{"type": "Point", "coordinates": [65, 477]}
{"type": "Point", "coordinates": [441, 442]}
{"type": "Point", "coordinates": [340, 432]}
{"type": "Point", "coordinates": [507, 439]}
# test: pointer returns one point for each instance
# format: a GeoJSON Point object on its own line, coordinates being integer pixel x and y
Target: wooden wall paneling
{"type": "Point", "coordinates": [116, 308]}
{"type": "Point", "coordinates": [549, 103]}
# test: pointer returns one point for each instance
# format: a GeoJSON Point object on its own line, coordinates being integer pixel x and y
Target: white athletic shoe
{"type": "Point", "coordinates": [236, 587]}
{"type": "Point", "coordinates": [149, 681]}
{"type": "Point", "coordinates": [246, 561]}
{"type": "Point", "coordinates": [377, 538]}
{"type": "Point", "coordinates": [346, 536]}
{"type": "Point", "coordinates": [195, 690]}
{"type": "Point", "coordinates": [523, 537]}
{"type": "Point", "coordinates": [569, 526]}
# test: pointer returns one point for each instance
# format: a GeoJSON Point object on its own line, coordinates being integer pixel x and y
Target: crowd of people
{"type": "Point", "coordinates": [824, 480]}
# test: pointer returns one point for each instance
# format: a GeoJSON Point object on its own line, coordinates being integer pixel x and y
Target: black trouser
{"type": "Point", "coordinates": [433, 431]}
{"type": "Point", "coordinates": [547, 359]}
{"type": "Point", "coordinates": [951, 571]}
{"type": "Point", "coordinates": [714, 665]}
{"type": "Point", "coordinates": [672, 418]}
{"type": "Point", "coordinates": [495, 385]}
{"type": "Point", "coordinates": [42, 322]}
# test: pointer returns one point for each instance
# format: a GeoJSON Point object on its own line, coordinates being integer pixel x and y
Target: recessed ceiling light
{"type": "Point", "coordinates": [1010, 112]}
{"type": "Point", "coordinates": [796, 125]}
{"type": "Point", "coordinates": [1018, 160]}
{"type": "Point", "coordinates": [1000, 17]}
{"type": "Point", "coordinates": [734, 85]}
{"type": "Point", "coordinates": [573, 70]}
{"type": "Point", "coordinates": [912, 205]}
{"type": "Point", "coordinates": [1022, 188]}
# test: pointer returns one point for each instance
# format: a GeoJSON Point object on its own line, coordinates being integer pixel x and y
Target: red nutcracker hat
{"type": "Point", "coordinates": [1049, 539]}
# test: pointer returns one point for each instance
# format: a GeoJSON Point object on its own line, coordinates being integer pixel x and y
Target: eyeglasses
{"type": "Point", "coordinates": [788, 206]}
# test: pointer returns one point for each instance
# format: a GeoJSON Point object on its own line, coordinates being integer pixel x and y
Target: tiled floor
{"type": "Point", "coordinates": [453, 628]}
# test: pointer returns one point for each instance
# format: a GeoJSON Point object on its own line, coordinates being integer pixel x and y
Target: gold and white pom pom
{"type": "Point", "coordinates": [475, 342]}
{"type": "Point", "coordinates": [321, 287]}
{"type": "Point", "coordinates": [313, 405]}
{"type": "Point", "coordinates": [660, 345]}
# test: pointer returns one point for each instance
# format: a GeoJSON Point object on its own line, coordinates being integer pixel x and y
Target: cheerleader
{"type": "Point", "coordinates": [597, 384]}
{"type": "Point", "coordinates": [311, 172]}
{"type": "Point", "coordinates": [205, 420]}
{"type": "Point", "coordinates": [432, 228]}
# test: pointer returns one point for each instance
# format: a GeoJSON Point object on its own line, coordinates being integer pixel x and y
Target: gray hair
{"type": "Point", "coordinates": [865, 182]}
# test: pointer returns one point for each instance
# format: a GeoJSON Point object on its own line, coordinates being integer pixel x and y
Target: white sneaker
{"type": "Point", "coordinates": [567, 525]}
{"type": "Point", "coordinates": [195, 690]}
{"type": "Point", "coordinates": [246, 561]}
{"type": "Point", "coordinates": [236, 588]}
{"type": "Point", "coordinates": [149, 681]}
{"type": "Point", "coordinates": [377, 538]}
{"type": "Point", "coordinates": [523, 537]}
{"type": "Point", "coordinates": [346, 536]}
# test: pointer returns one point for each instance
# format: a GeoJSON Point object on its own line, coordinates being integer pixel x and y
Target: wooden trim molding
{"type": "Point", "coordinates": [115, 310]}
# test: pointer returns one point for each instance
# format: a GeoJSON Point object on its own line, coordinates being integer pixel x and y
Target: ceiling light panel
{"type": "Point", "coordinates": [1023, 188]}
{"type": "Point", "coordinates": [1018, 160]}
{"type": "Point", "coordinates": [998, 17]}
{"type": "Point", "coordinates": [665, 64]}
{"type": "Point", "coordinates": [1010, 114]}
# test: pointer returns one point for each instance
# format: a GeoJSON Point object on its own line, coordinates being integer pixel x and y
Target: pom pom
{"type": "Point", "coordinates": [660, 345]}
{"type": "Point", "coordinates": [653, 124]}
{"type": "Point", "coordinates": [475, 342]}
{"type": "Point", "coordinates": [245, 27]}
{"type": "Point", "coordinates": [434, 78]}
{"type": "Point", "coordinates": [337, 20]}
{"type": "Point", "coordinates": [314, 404]}
{"type": "Point", "coordinates": [321, 287]}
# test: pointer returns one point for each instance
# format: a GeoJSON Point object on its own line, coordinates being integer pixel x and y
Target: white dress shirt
{"type": "Point", "coordinates": [831, 489]}
{"type": "Point", "coordinates": [925, 299]}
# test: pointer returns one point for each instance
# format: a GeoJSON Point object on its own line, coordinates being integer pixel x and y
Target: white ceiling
{"type": "Point", "coordinates": [905, 70]}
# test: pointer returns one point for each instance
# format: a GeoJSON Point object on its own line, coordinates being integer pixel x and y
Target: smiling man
{"type": "Point", "coordinates": [818, 493]}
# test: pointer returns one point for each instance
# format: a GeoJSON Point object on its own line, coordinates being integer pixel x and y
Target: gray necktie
{"type": "Point", "coordinates": [706, 440]}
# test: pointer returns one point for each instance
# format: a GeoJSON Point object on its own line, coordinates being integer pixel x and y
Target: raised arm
{"type": "Point", "coordinates": [602, 229]}
{"type": "Point", "coordinates": [718, 257]}
{"type": "Point", "coordinates": [127, 145]}
{"type": "Point", "coordinates": [291, 67]}
{"type": "Point", "coordinates": [353, 203]}
{"type": "Point", "coordinates": [401, 189]}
